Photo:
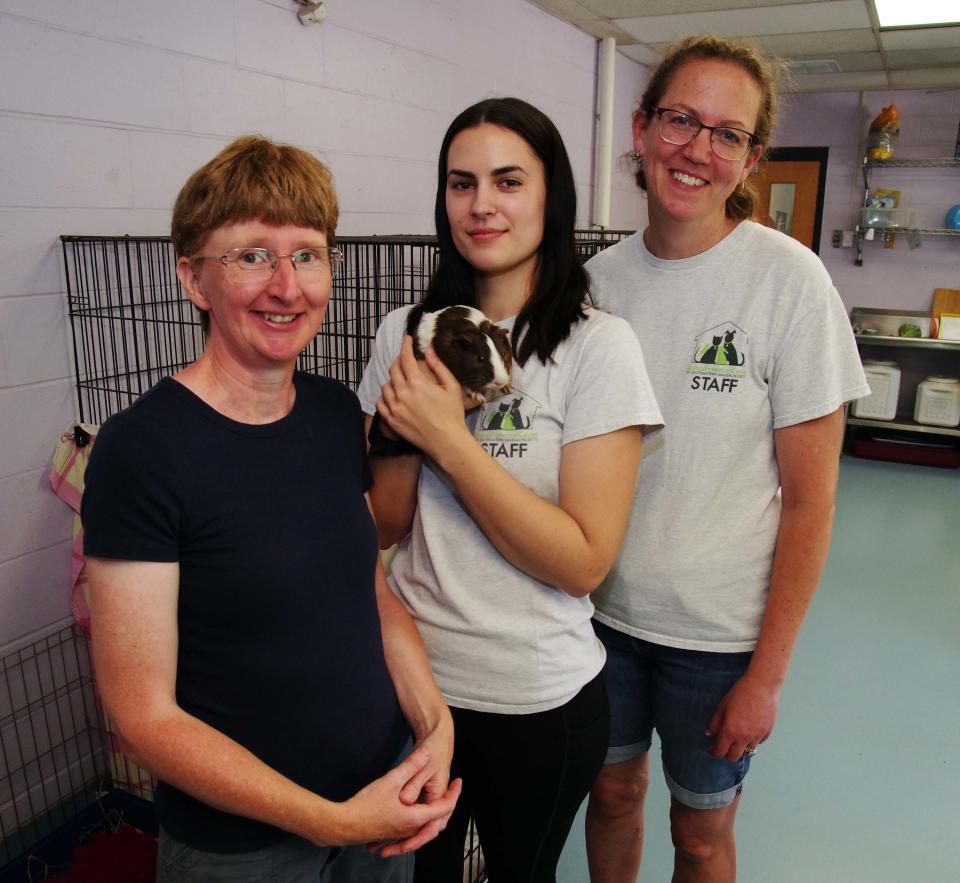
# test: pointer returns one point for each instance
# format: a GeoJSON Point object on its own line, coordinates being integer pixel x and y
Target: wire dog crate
{"type": "Point", "coordinates": [52, 755]}
{"type": "Point", "coordinates": [132, 325]}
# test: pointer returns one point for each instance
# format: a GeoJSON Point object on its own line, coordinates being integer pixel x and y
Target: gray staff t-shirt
{"type": "Point", "coordinates": [498, 639]}
{"type": "Point", "coordinates": [746, 338]}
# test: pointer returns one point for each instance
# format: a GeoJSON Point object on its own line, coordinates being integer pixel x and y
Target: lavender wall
{"type": "Point", "coordinates": [898, 277]}
{"type": "Point", "coordinates": [106, 107]}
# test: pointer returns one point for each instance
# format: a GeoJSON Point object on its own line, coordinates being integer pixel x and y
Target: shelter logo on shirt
{"type": "Point", "coordinates": [719, 356]}
{"type": "Point", "coordinates": [503, 426]}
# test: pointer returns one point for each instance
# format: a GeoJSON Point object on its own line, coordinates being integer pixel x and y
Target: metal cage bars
{"type": "Point", "coordinates": [53, 756]}
{"type": "Point", "coordinates": [132, 325]}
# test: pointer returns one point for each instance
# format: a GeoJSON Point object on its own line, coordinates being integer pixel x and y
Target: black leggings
{"type": "Point", "coordinates": [524, 778]}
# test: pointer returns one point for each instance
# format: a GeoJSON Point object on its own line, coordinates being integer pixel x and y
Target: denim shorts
{"type": "Point", "coordinates": [676, 692]}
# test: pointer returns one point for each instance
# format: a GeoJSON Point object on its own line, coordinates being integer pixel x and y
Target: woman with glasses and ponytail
{"type": "Point", "coordinates": [752, 359]}
{"type": "Point", "coordinates": [247, 647]}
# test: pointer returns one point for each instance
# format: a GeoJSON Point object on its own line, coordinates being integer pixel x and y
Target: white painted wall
{"type": "Point", "coordinates": [889, 278]}
{"type": "Point", "coordinates": [628, 204]}
{"type": "Point", "coordinates": [107, 106]}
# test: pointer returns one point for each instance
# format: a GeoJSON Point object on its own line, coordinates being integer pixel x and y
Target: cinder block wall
{"type": "Point", "coordinates": [106, 107]}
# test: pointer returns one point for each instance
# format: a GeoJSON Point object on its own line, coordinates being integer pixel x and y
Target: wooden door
{"type": "Point", "coordinates": [804, 176]}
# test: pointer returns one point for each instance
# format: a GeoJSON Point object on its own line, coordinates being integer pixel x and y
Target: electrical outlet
{"type": "Point", "coordinates": [837, 238]}
{"type": "Point", "coordinates": [847, 239]}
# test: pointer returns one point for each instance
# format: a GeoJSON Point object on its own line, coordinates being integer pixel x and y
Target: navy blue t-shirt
{"type": "Point", "coordinates": [279, 634]}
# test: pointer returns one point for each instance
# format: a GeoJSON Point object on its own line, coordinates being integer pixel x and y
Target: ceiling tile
{"type": "Point", "coordinates": [851, 62]}
{"type": "Point", "coordinates": [614, 8]}
{"type": "Point", "coordinates": [923, 58]}
{"type": "Point", "coordinates": [643, 54]}
{"type": "Point", "coordinates": [601, 28]}
{"type": "Point", "coordinates": [634, 8]}
{"type": "Point", "coordinates": [852, 82]}
{"type": "Point", "coordinates": [919, 38]}
{"type": "Point", "coordinates": [818, 43]}
{"type": "Point", "coordinates": [793, 18]}
{"type": "Point", "coordinates": [927, 78]}
{"type": "Point", "coordinates": [569, 10]}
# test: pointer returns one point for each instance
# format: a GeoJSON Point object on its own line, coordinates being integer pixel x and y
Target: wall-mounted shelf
{"type": "Point", "coordinates": [869, 166]}
{"type": "Point", "coordinates": [930, 163]}
{"type": "Point", "coordinates": [902, 438]}
{"type": "Point", "coordinates": [923, 231]}
{"type": "Point", "coordinates": [906, 342]}
{"type": "Point", "coordinates": [903, 424]}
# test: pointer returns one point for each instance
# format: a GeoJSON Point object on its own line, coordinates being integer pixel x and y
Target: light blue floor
{"type": "Point", "coordinates": [860, 782]}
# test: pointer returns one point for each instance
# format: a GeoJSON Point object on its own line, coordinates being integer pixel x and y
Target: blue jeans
{"type": "Point", "coordinates": [675, 691]}
{"type": "Point", "coordinates": [292, 860]}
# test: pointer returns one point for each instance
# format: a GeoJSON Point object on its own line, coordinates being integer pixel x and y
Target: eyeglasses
{"type": "Point", "coordinates": [677, 127]}
{"type": "Point", "coordinates": [259, 264]}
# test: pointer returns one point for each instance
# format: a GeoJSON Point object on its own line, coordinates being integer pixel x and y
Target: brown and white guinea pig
{"type": "Point", "coordinates": [476, 351]}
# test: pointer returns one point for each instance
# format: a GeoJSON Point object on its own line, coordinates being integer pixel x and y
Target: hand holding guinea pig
{"type": "Point", "coordinates": [423, 401]}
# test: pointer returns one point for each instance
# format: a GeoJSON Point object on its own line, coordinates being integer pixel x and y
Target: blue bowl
{"type": "Point", "coordinates": [953, 218]}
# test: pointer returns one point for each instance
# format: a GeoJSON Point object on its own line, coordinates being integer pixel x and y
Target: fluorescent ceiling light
{"type": "Point", "coordinates": [916, 13]}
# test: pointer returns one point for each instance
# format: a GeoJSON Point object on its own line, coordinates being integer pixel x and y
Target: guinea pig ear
{"type": "Point", "coordinates": [413, 320]}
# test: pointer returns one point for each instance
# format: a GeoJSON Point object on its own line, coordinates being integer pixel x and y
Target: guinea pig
{"type": "Point", "coordinates": [476, 351]}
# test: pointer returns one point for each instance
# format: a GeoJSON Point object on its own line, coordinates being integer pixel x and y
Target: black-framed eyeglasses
{"type": "Point", "coordinates": [259, 264]}
{"type": "Point", "coordinates": [727, 142]}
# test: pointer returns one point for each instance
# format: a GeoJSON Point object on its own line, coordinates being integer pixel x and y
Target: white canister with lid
{"type": "Point", "coordinates": [938, 401]}
{"type": "Point", "coordinates": [884, 379]}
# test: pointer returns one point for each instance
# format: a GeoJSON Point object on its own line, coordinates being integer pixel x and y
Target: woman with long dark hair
{"type": "Point", "coordinates": [509, 517]}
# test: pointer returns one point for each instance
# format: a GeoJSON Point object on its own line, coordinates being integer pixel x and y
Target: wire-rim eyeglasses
{"type": "Point", "coordinates": [727, 142]}
{"type": "Point", "coordinates": [259, 264]}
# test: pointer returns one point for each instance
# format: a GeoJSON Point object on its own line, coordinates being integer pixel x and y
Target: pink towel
{"type": "Point", "coordinates": [66, 478]}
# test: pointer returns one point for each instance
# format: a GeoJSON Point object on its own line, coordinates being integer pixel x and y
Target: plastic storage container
{"type": "Point", "coordinates": [938, 402]}
{"type": "Point", "coordinates": [887, 217]}
{"type": "Point", "coordinates": [884, 380]}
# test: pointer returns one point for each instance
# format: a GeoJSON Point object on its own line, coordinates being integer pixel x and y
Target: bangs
{"type": "Point", "coordinates": [254, 179]}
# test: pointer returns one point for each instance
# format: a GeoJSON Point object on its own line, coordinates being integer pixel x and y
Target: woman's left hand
{"type": "Point", "coordinates": [431, 782]}
{"type": "Point", "coordinates": [427, 786]}
{"type": "Point", "coordinates": [422, 400]}
{"type": "Point", "coordinates": [744, 717]}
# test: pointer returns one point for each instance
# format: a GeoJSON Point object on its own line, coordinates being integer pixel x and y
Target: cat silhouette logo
{"type": "Point", "coordinates": [724, 344]}
{"type": "Point", "coordinates": [508, 417]}
{"type": "Point", "coordinates": [504, 426]}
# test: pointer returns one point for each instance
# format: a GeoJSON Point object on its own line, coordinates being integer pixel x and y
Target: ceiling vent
{"type": "Point", "coordinates": [814, 66]}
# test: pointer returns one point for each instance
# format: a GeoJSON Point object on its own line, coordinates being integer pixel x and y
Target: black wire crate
{"type": "Point", "coordinates": [132, 324]}
{"type": "Point", "coordinates": [591, 242]}
{"type": "Point", "coordinates": [53, 759]}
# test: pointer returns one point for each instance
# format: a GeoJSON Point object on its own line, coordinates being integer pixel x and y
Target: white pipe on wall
{"type": "Point", "coordinates": [604, 164]}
